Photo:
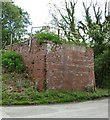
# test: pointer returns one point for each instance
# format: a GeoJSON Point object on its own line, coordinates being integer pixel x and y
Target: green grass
{"type": "Point", "coordinates": [31, 97]}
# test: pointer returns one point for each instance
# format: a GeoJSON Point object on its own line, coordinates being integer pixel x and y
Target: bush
{"type": "Point", "coordinates": [102, 69]}
{"type": "Point", "coordinates": [12, 61]}
{"type": "Point", "coordinates": [42, 36]}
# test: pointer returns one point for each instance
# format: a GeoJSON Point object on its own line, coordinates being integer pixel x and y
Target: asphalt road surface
{"type": "Point", "coordinates": [89, 109]}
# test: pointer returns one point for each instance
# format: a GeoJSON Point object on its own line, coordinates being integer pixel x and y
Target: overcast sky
{"type": "Point", "coordinates": [39, 9]}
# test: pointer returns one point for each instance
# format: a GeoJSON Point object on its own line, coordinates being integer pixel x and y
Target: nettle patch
{"type": "Point", "coordinates": [12, 61]}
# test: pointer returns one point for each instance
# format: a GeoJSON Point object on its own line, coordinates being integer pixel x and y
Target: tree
{"type": "Point", "coordinates": [67, 21]}
{"type": "Point", "coordinates": [95, 30]}
{"type": "Point", "coordinates": [102, 68]}
{"type": "Point", "coordinates": [92, 31]}
{"type": "Point", "coordinates": [14, 22]}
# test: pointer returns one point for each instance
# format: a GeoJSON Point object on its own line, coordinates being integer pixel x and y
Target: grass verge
{"type": "Point", "coordinates": [31, 97]}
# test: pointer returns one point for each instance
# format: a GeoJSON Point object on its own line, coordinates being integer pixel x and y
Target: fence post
{"type": "Point", "coordinates": [58, 33]}
{"type": "Point", "coordinates": [11, 42]}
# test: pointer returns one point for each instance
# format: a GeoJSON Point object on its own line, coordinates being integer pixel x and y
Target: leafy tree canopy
{"type": "Point", "coordinates": [14, 22]}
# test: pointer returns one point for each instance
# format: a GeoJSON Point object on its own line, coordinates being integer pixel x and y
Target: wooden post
{"type": "Point", "coordinates": [58, 33]}
{"type": "Point", "coordinates": [11, 42]}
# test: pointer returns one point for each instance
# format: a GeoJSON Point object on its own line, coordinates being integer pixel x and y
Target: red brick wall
{"type": "Point", "coordinates": [58, 66]}
{"type": "Point", "coordinates": [70, 67]}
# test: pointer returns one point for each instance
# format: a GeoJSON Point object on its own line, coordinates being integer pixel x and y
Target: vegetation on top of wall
{"type": "Point", "coordinates": [48, 36]}
{"type": "Point", "coordinates": [12, 61]}
{"type": "Point", "coordinates": [43, 36]}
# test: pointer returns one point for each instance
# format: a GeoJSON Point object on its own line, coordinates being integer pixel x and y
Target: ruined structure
{"type": "Point", "coordinates": [61, 67]}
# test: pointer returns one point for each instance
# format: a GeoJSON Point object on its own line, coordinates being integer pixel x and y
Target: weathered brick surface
{"type": "Point", "coordinates": [70, 67]}
{"type": "Point", "coordinates": [62, 67]}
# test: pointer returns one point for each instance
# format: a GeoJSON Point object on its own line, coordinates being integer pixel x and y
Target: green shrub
{"type": "Point", "coordinates": [12, 61]}
{"type": "Point", "coordinates": [42, 36]}
{"type": "Point", "coordinates": [47, 36]}
{"type": "Point", "coordinates": [102, 69]}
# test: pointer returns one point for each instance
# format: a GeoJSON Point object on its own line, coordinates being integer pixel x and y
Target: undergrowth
{"type": "Point", "coordinates": [12, 61]}
{"type": "Point", "coordinates": [30, 96]}
{"type": "Point", "coordinates": [46, 36]}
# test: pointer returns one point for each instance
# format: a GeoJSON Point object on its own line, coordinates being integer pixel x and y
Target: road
{"type": "Point", "coordinates": [89, 109]}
